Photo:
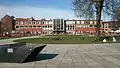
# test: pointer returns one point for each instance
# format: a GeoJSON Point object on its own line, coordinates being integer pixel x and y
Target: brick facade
{"type": "Point", "coordinates": [109, 26]}
{"type": "Point", "coordinates": [43, 26]}
{"type": "Point", "coordinates": [7, 24]}
{"type": "Point", "coordinates": [28, 25]}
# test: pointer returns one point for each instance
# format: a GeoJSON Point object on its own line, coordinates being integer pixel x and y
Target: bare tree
{"type": "Point", "coordinates": [90, 9]}
{"type": "Point", "coordinates": [117, 17]}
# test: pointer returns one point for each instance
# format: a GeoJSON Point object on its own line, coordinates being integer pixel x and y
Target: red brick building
{"type": "Point", "coordinates": [43, 26]}
{"type": "Point", "coordinates": [28, 25]}
{"type": "Point", "coordinates": [85, 27]}
{"type": "Point", "coordinates": [36, 27]}
{"type": "Point", "coordinates": [32, 26]}
{"type": "Point", "coordinates": [7, 24]}
{"type": "Point", "coordinates": [109, 26]}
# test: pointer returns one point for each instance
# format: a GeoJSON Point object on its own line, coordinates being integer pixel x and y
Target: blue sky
{"type": "Point", "coordinates": [38, 9]}
{"type": "Point", "coordinates": [61, 4]}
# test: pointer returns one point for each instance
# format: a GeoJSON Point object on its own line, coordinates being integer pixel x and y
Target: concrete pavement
{"type": "Point", "coordinates": [74, 56]}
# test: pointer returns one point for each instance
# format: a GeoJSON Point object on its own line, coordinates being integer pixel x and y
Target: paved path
{"type": "Point", "coordinates": [74, 56]}
{"type": "Point", "coordinates": [11, 39]}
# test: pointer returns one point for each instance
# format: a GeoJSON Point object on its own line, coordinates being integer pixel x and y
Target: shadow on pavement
{"type": "Point", "coordinates": [43, 56]}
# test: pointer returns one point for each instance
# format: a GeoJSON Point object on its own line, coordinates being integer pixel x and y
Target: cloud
{"type": "Point", "coordinates": [37, 13]}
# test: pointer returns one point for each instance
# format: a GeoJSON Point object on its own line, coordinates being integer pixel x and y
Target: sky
{"type": "Point", "coordinates": [38, 9]}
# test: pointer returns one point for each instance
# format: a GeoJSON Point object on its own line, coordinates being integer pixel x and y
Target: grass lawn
{"type": "Point", "coordinates": [65, 39]}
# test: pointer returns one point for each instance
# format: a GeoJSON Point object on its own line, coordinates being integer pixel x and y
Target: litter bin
{"type": "Point", "coordinates": [19, 52]}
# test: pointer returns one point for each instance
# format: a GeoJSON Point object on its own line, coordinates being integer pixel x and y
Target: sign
{"type": "Point", "coordinates": [10, 50]}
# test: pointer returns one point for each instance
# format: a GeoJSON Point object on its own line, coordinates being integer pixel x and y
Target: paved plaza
{"type": "Point", "coordinates": [74, 56]}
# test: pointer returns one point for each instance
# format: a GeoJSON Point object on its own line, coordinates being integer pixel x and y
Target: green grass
{"type": "Point", "coordinates": [66, 39]}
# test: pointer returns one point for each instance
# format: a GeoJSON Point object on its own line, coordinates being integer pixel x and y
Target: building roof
{"type": "Point", "coordinates": [46, 20]}
{"type": "Point", "coordinates": [38, 20]}
{"type": "Point", "coordinates": [85, 20]}
{"type": "Point", "coordinates": [6, 16]}
{"type": "Point", "coordinates": [70, 20]}
{"type": "Point", "coordinates": [26, 19]}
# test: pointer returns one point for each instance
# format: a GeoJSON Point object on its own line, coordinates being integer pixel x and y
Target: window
{"type": "Point", "coordinates": [78, 22]}
{"type": "Point", "coordinates": [73, 27]}
{"type": "Point", "coordinates": [82, 22]}
{"type": "Point", "coordinates": [37, 22]}
{"type": "Point", "coordinates": [91, 25]}
{"type": "Point", "coordinates": [70, 27]}
{"type": "Point", "coordinates": [17, 26]}
{"type": "Point", "coordinates": [86, 22]}
{"type": "Point", "coordinates": [30, 23]}
{"type": "Point", "coordinates": [34, 26]}
{"type": "Point", "coordinates": [43, 22]}
{"type": "Point", "coordinates": [30, 26]}
{"type": "Point", "coordinates": [39, 26]}
{"type": "Point", "coordinates": [50, 25]}
{"type": "Point", "coordinates": [34, 22]}
{"type": "Point", "coordinates": [26, 26]}
{"type": "Point", "coordinates": [45, 26]}
{"type": "Point", "coordinates": [91, 22]}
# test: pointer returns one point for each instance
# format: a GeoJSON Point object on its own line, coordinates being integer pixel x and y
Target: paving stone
{"type": "Point", "coordinates": [27, 64]}
{"type": "Point", "coordinates": [75, 56]}
{"type": "Point", "coordinates": [51, 67]}
{"type": "Point", "coordinates": [25, 67]}
{"type": "Point", "coordinates": [40, 64]}
{"type": "Point", "coordinates": [37, 66]}
{"type": "Point", "coordinates": [10, 65]}
{"type": "Point", "coordinates": [97, 66]}
{"type": "Point", "coordinates": [113, 60]}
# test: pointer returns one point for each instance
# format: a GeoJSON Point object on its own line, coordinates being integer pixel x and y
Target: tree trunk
{"type": "Point", "coordinates": [99, 6]}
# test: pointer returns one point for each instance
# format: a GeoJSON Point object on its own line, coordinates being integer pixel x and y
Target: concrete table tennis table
{"type": "Point", "coordinates": [19, 52]}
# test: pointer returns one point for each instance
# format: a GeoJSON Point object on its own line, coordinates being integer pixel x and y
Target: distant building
{"type": "Point", "coordinates": [59, 26]}
{"type": "Point", "coordinates": [47, 26]}
{"type": "Point", "coordinates": [70, 26]}
{"type": "Point", "coordinates": [7, 24]}
{"type": "Point", "coordinates": [109, 26]}
{"type": "Point", "coordinates": [28, 25]}
{"type": "Point", "coordinates": [56, 26]}
{"type": "Point", "coordinates": [86, 27]}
